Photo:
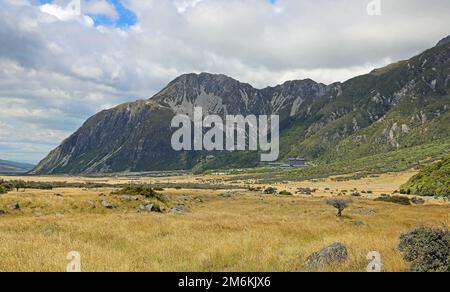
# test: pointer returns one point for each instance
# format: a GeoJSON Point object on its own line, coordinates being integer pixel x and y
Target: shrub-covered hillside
{"type": "Point", "coordinates": [432, 180]}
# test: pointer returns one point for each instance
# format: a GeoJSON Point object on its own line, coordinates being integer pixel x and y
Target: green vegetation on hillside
{"type": "Point", "coordinates": [433, 180]}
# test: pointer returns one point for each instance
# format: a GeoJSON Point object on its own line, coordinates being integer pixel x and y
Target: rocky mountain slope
{"type": "Point", "coordinates": [432, 180]}
{"type": "Point", "coordinates": [402, 105]}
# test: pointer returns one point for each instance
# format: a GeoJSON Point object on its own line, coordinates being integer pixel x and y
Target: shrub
{"type": "Point", "coordinates": [394, 199]}
{"type": "Point", "coordinates": [285, 193]}
{"type": "Point", "coordinates": [427, 249]}
{"type": "Point", "coordinates": [270, 191]}
{"type": "Point", "coordinates": [141, 190]}
{"type": "Point", "coordinates": [5, 187]}
{"type": "Point", "coordinates": [418, 201]}
{"type": "Point", "coordinates": [340, 204]}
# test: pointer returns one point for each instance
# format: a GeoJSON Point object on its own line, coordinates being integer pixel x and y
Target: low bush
{"type": "Point", "coordinates": [427, 249]}
{"type": "Point", "coordinates": [141, 190]}
{"type": "Point", "coordinates": [270, 191]}
{"type": "Point", "coordinates": [418, 201]}
{"type": "Point", "coordinates": [394, 199]}
{"type": "Point", "coordinates": [285, 193]}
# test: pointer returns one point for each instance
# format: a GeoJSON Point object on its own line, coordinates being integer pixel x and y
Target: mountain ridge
{"type": "Point", "coordinates": [10, 167]}
{"type": "Point", "coordinates": [319, 121]}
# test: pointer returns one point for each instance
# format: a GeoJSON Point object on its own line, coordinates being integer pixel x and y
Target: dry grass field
{"type": "Point", "coordinates": [226, 230]}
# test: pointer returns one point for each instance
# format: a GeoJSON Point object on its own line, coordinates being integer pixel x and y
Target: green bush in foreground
{"type": "Point", "coordinates": [427, 249]}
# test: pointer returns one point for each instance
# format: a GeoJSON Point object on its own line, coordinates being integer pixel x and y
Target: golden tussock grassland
{"type": "Point", "coordinates": [239, 231]}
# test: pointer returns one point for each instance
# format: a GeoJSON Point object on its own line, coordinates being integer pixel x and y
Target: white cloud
{"type": "Point", "coordinates": [183, 5]}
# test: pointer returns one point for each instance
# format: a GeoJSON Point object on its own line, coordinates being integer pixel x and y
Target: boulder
{"type": "Point", "coordinates": [108, 205]}
{"type": "Point", "coordinates": [2, 212]}
{"type": "Point", "coordinates": [91, 204]}
{"type": "Point", "coordinates": [333, 254]}
{"type": "Point", "coordinates": [359, 223]}
{"type": "Point", "coordinates": [127, 198]}
{"type": "Point", "coordinates": [14, 206]}
{"type": "Point", "coordinates": [50, 229]}
{"type": "Point", "coordinates": [150, 208]}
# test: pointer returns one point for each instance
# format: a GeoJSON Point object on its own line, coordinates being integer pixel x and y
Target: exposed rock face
{"type": "Point", "coordinates": [136, 136]}
{"type": "Point", "coordinates": [333, 254]}
{"type": "Point", "coordinates": [444, 41]}
{"type": "Point", "coordinates": [404, 104]}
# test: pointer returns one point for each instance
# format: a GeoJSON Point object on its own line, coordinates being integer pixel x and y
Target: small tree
{"type": "Point", "coordinates": [19, 184]}
{"type": "Point", "coordinates": [340, 204]}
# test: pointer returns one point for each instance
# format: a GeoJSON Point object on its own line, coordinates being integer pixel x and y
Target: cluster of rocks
{"type": "Point", "coordinates": [13, 207]}
{"type": "Point", "coordinates": [180, 205]}
{"type": "Point", "coordinates": [148, 207]}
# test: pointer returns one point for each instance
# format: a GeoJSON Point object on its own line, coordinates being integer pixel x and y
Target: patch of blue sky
{"type": "Point", "coordinates": [125, 17]}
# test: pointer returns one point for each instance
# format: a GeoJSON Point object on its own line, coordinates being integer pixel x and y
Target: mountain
{"type": "Point", "coordinates": [136, 136]}
{"type": "Point", "coordinates": [9, 167]}
{"type": "Point", "coordinates": [432, 180]}
{"type": "Point", "coordinates": [397, 108]}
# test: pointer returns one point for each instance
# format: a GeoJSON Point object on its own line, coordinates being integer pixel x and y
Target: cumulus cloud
{"type": "Point", "coordinates": [59, 65]}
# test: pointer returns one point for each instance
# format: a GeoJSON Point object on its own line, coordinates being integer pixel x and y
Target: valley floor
{"type": "Point", "coordinates": [226, 229]}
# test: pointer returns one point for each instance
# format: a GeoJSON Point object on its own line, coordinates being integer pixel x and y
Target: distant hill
{"type": "Point", "coordinates": [432, 180]}
{"type": "Point", "coordinates": [14, 167]}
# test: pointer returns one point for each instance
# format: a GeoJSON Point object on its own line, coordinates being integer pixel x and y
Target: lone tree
{"type": "Point", "coordinates": [340, 204]}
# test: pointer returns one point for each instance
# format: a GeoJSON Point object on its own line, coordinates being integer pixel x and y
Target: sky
{"type": "Point", "coordinates": [62, 61]}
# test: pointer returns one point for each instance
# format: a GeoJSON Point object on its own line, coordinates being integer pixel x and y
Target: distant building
{"type": "Point", "coordinates": [279, 165]}
{"type": "Point", "coordinates": [293, 163]}
{"type": "Point", "coordinates": [297, 162]}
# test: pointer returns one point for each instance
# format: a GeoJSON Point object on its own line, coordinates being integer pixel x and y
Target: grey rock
{"type": "Point", "coordinates": [359, 223]}
{"type": "Point", "coordinates": [333, 254]}
{"type": "Point", "coordinates": [363, 211]}
{"type": "Point", "coordinates": [50, 229]}
{"type": "Point", "coordinates": [127, 198]}
{"type": "Point", "coordinates": [150, 208]}
{"type": "Point", "coordinates": [91, 204]}
{"type": "Point", "coordinates": [108, 205]}
{"type": "Point", "coordinates": [180, 209]}
{"type": "Point", "coordinates": [199, 200]}
{"type": "Point", "coordinates": [14, 206]}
